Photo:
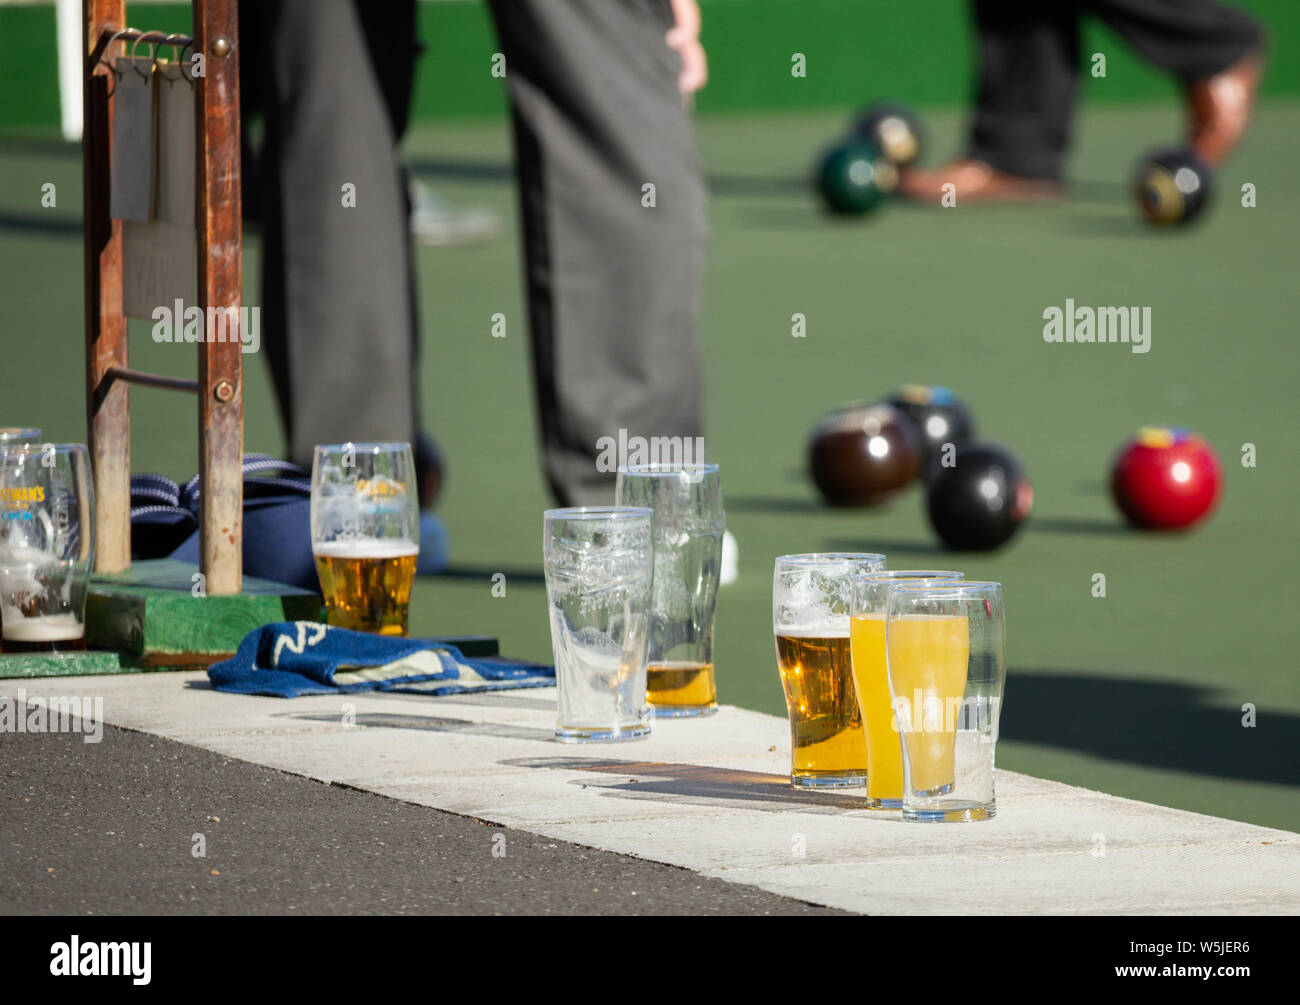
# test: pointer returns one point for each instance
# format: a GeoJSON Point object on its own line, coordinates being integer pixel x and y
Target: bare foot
{"type": "Point", "coordinates": [976, 181]}
{"type": "Point", "coordinates": [1221, 107]}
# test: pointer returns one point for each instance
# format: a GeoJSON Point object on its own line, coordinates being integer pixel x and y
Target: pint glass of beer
{"type": "Point", "coordinates": [811, 600]}
{"type": "Point", "coordinates": [867, 645]}
{"type": "Point", "coordinates": [688, 526]}
{"type": "Point", "coordinates": [47, 545]}
{"type": "Point", "coordinates": [598, 567]}
{"type": "Point", "coordinates": [365, 534]}
{"type": "Point", "coordinates": [945, 656]}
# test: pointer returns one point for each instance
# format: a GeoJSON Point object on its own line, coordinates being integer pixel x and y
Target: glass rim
{"type": "Point", "coordinates": [10, 432]}
{"type": "Point", "coordinates": [38, 447]}
{"type": "Point", "coordinates": [904, 575]}
{"type": "Point", "coordinates": [668, 468]}
{"type": "Point", "coordinates": [948, 585]}
{"type": "Point", "coordinates": [815, 558]}
{"type": "Point", "coordinates": [367, 446]}
{"type": "Point", "coordinates": [597, 512]}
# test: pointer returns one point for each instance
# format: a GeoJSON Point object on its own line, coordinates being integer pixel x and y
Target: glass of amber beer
{"type": "Point", "coordinates": [945, 656]}
{"type": "Point", "coordinates": [867, 645]}
{"type": "Point", "coordinates": [47, 545]}
{"type": "Point", "coordinates": [688, 526]}
{"type": "Point", "coordinates": [811, 600]}
{"type": "Point", "coordinates": [365, 534]}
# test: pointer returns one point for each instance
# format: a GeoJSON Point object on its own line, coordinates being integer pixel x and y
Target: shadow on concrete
{"type": "Point", "coordinates": [432, 724]}
{"type": "Point", "coordinates": [698, 783]}
{"type": "Point", "coordinates": [1160, 724]}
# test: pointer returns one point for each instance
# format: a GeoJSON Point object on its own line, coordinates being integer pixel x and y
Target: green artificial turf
{"type": "Point", "coordinates": [1139, 693]}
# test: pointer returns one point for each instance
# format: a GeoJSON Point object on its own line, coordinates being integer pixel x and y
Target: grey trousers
{"type": "Point", "coordinates": [612, 267]}
{"type": "Point", "coordinates": [333, 80]}
{"type": "Point", "coordinates": [613, 213]}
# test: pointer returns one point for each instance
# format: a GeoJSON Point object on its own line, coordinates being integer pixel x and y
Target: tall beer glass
{"type": "Point", "coordinates": [811, 599]}
{"type": "Point", "coordinates": [867, 644]}
{"type": "Point", "coordinates": [47, 545]}
{"type": "Point", "coordinates": [598, 567]}
{"type": "Point", "coordinates": [365, 534]}
{"type": "Point", "coordinates": [945, 654]}
{"type": "Point", "coordinates": [688, 527]}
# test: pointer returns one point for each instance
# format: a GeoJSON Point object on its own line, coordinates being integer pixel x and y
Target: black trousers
{"type": "Point", "coordinates": [1029, 64]}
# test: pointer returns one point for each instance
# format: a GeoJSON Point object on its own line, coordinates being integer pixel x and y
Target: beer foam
{"type": "Point", "coordinates": [812, 631]}
{"type": "Point", "coordinates": [44, 628]}
{"type": "Point", "coordinates": [366, 547]}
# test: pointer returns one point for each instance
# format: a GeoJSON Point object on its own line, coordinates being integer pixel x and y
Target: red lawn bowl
{"type": "Point", "coordinates": [1166, 479]}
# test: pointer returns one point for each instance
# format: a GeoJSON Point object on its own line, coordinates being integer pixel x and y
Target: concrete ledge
{"type": "Point", "coordinates": [713, 796]}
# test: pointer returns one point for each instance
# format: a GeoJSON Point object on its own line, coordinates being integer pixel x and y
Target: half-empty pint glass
{"type": "Point", "coordinates": [945, 655]}
{"type": "Point", "coordinates": [47, 545]}
{"type": "Point", "coordinates": [811, 600]}
{"type": "Point", "coordinates": [365, 534]}
{"type": "Point", "coordinates": [688, 527]}
{"type": "Point", "coordinates": [867, 643]}
{"type": "Point", "coordinates": [598, 568]}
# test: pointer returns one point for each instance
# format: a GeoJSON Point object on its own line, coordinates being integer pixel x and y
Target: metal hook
{"type": "Point", "coordinates": [134, 45]}
{"type": "Point", "coordinates": [174, 41]}
{"type": "Point", "coordinates": [113, 71]}
{"type": "Point", "coordinates": [181, 61]}
{"type": "Point", "coordinates": [180, 57]}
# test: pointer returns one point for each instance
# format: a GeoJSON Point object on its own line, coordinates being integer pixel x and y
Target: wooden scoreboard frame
{"type": "Point", "coordinates": [217, 221]}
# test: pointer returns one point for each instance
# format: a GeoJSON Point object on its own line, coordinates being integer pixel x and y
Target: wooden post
{"type": "Point", "coordinates": [221, 391]}
{"type": "Point", "coordinates": [108, 416]}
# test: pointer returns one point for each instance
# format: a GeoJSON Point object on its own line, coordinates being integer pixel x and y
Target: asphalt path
{"type": "Point", "coordinates": [140, 825]}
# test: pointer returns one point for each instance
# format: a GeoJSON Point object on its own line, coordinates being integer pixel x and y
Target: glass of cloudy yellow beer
{"type": "Point", "coordinates": [365, 534]}
{"type": "Point", "coordinates": [867, 645]}
{"type": "Point", "coordinates": [47, 545]}
{"type": "Point", "coordinates": [811, 600]}
{"type": "Point", "coordinates": [945, 656]}
{"type": "Point", "coordinates": [688, 526]}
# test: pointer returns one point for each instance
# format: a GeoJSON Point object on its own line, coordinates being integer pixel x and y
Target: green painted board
{"type": "Point", "coordinates": [151, 609]}
{"type": "Point", "coordinates": [60, 664]}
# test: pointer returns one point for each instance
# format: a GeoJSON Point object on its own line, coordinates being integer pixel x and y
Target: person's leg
{"type": "Point", "coordinates": [1028, 68]}
{"type": "Point", "coordinates": [612, 283]}
{"type": "Point", "coordinates": [1190, 39]}
{"type": "Point", "coordinates": [338, 325]}
{"type": "Point", "coordinates": [1214, 49]}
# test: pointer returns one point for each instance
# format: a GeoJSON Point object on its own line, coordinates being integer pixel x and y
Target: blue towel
{"type": "Point", "coordinates": [286, 659]}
